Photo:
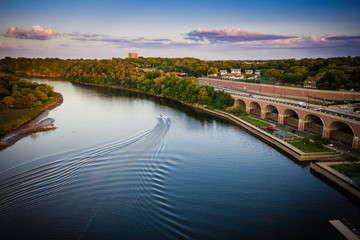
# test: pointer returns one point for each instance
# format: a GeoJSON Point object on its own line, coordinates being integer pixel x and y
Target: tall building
{"type": "Point", "coordinates": [132, 54]}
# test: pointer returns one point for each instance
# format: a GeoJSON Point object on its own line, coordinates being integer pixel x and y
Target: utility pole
{"type": "Point", "coordinates": [308, 105]}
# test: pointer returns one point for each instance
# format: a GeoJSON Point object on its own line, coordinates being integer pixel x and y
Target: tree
{"type": "Point", "coordinates": [212, 70]}
{"type": "Point", "coordinates": [203, 96]}
{"type": "Point", "coordinates": [9, 101]}
{"type": "Point", "coordinates": [333, 79]}
{"type": "Point", "coordinates": [271, 73]}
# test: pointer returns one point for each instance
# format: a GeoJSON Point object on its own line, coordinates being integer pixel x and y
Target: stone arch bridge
{"type": "Point", "coordinates": [335, 127]}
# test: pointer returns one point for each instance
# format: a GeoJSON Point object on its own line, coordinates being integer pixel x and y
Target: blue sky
{"type": "Point", "coordinates": [209, 29]}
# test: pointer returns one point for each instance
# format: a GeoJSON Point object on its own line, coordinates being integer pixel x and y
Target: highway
{"type": "Point", "coordinates": [338, 111]}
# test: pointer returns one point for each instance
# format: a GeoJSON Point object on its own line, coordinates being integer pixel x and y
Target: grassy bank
{"type": "Point", "coordinates": [350, 170]}
{"type": "Point", "coordinates": [11, 119]}
{"type": "Point", "coordinates": [309, 147]}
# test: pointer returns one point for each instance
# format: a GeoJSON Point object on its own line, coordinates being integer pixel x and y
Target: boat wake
{"type": "Point", "coordinates": [85, 172]}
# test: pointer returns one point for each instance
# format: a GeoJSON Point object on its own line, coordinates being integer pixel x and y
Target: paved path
{"type": "Point", "coordinates": [344, 230]}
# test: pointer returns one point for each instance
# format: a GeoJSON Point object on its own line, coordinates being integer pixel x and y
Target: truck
{"type": "Point", "coordinates": [302, 104]}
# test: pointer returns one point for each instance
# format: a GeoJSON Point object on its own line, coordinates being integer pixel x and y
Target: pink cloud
{"type": "Point", "coordinates": [37, 32]}
{"type": "Point", "coordinates": [232, 36]}
{"type": "Point", "coordinates": [256, 40]}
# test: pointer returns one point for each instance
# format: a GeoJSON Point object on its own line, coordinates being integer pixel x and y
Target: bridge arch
{"type": "Point", "coordinates": [313, 123]}
{"type": "Point", "coordinates": [340, 131]}
{"type": "Point", "coordinates": [240, 104]}
{"type": "Point", "coordinates": [255, 109]}
{"type": "Point", "coordinates": [271, 112]}
{"type": "Point", "coordinates": [290, 117]}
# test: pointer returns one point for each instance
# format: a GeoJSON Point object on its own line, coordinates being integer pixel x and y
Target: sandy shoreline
{"type": "Point", "coordinates": [32, 126]}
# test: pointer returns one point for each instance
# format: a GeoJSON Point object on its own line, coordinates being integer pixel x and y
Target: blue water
{"type": "Point", "coordinates": [114, 170]}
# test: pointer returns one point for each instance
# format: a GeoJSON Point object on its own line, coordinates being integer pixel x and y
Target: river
{"type": "Point", "coordinates": [114, 170]}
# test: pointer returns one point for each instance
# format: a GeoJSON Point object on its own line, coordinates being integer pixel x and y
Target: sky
{"type": "Point", "coordinates": [204, 29]}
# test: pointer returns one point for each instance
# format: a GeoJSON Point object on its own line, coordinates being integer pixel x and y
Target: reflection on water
{"type": "Point", "coordinates": [114, 170]}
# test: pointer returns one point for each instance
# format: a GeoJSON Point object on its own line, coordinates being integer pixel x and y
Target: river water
{"type": "Point", "coordinates": [114, 170]}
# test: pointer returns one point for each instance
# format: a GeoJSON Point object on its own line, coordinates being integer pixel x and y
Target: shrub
{"type": "Point", "coordinates": [306, 139]}
{"type": "Point", "coordinates": [352, 158]}
{"type": "Point", "coordinates": [316, 137]}
{"type": "Point", "coordinates": [326, 141]}
{"type": "Point", "coordinates": [318, 143]}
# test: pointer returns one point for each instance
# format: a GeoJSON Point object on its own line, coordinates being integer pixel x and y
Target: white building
{"type": "Point", "coordinates": [235, 76]}
{"type": "Point", "coordinates": [223, 72]}
{"type": "Point", "coordinates": [257, 71]}
{"type": "Point", "coordinates": [236, 70]}
{"type": "Point", "coordinates": [249, 71]}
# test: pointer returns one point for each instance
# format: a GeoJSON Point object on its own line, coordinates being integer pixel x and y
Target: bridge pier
{"type": "Point", "coordinates": [263, 114]}
{"type": "Point", "coordinates": [326, 133]}
{"type": "Point", "coordinates": [355, 143]}
{"type": "Point", "coordinates": [281, 119]}
{"type": "Point", "coordinates": [301, 125]}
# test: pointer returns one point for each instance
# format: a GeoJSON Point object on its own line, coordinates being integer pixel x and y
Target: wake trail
{"type": "Point", "coordinates": [35, 186]}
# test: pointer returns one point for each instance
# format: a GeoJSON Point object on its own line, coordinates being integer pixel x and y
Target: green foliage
{"type": "Point", "coordinates": [334, 73]}
{"type": "Point", "coordinates": [316, 137]}
{"type": "Point", "coordinates": [352, 158]}
{"type": "Point", "coordinates": [325, 141]}
{"type": "Point", "coordinates": [335, 79]}
{"type": "Point", "coordinates": [350, 170]}
{"type": "Point", "coordinates": [306, 140]}
{"type": "Point", "coordinates": [309, 147]}
{"type": "Point", "coordinates": [318, 144]}
{"type": "Point", "coordinates": [255, 122]}
{"type": "Point", "coordinates": [239, 113]}
{"type": "Point", "coordinates": [19, 93]}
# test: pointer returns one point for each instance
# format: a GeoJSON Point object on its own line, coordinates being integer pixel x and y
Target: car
{"type": "Point", "coordinates": [343, 107]}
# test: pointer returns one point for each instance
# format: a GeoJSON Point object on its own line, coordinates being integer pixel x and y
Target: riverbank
{"type": "Point", "coordinates": [28, 127]}
{"type": "Point", "coordinates": [265, 136]}
{"type": "Point", "coordinates": [325, 169]}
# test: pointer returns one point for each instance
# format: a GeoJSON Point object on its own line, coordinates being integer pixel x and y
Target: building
{"type": "Point", "coordinates": [249, 71]}
{"type": "Point", "coordinates": [232, 76]}
{"type": "Point", "coordinates": [179, 74]}
{"type": "Point", "coordinates": [258, 72]}
{"type": "Point", "coordinates": [132, 55]}
{"type": "Point", "coordinates": [310, 82]}
{"type": "Point", "coordinates": [146, 70]}
{"type": "Point", "coordinates": [223, 72]}
{"type": "Point", "coordinates": [236, 70]}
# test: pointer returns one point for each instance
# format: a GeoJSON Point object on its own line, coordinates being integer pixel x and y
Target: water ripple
{"type": "Point", "coordinates": [134, 166]}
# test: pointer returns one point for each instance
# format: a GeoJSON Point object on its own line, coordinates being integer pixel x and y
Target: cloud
{"type": "Point", "coordinates": [236, 38]}
{"type": "Point", "coordinates": [5, 46]}
{"type": "Point", "coordinates": [342, 37]}
{"type": "Point", "coordinates": [36, 32]}
{"type": "Point", "coordinates": [139, 42]}
{"type": "Point", "coordinates": [231, 36]}
{"type": "Point", "coordinates": [333, 41]}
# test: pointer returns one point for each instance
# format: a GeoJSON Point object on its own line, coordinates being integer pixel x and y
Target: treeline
{"type": "Point", "coordinates": [333, 73]}
{"type": "Point", "coordinates": [16, 93]}
{"type": "Point", "coordinates": [110, 72]}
